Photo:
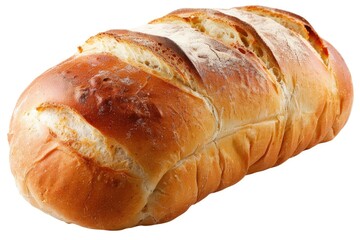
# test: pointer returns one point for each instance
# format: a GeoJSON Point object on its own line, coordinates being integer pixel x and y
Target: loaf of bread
{"type": "Point", "coordinates": [139, 125]}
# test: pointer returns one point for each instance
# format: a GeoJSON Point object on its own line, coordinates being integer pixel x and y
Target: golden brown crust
{"type": "Point", "coordinates": [342, 77]}
{"type": "Point", "coordinates": [140, 125]}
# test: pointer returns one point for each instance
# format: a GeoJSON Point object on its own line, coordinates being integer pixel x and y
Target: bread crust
{"type": "Point", "coordinates": [139, 125]}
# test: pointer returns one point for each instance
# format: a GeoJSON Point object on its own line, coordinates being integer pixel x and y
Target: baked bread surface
{"type": "Point", "coordinates": [139, 125]}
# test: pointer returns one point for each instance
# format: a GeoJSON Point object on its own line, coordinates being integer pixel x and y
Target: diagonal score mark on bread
{"type": "Point", "coordinates": [148, 59]}
{"type": "Point", "coordinates": [296, 24]}
{"type": "Point", "coordinates": [72, 129]}
{"type": "Point", "coordinates": [131, 53]}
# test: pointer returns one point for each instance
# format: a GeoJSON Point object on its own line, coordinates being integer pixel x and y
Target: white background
{"type": "Point", "coordinates": [312, 196]}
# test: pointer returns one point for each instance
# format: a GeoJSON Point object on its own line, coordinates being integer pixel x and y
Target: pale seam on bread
{"type": "Point", "coordinates": [69, 127]}
{"type": "Point", "coordinates": [296, 24]}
